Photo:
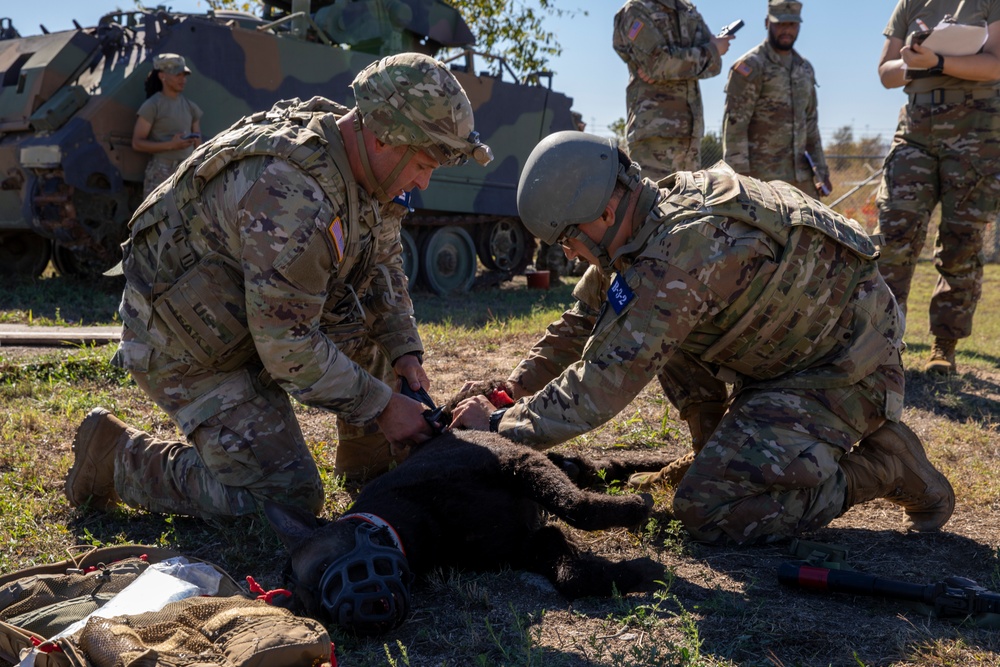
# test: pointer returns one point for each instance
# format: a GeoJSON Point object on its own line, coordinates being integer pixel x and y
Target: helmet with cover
{"type": "Point", "coordinates": [569, 180]}
{"type": "Point", "coordinates": [411, 99]}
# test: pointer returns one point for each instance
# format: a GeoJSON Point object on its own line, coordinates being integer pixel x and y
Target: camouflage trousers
{"type": "Point", "coordinates": [663, 156]}
{"type": "Point", "coordinates": [771, 469]}
{"type": "Point", "coordinates": [947, 153]}
{"type": "Point", "coordinates": [157, 171]}
{"type": "Point", "coordinates": [686, 382]}
{"type": "Point", "coordinates": [243, 442]}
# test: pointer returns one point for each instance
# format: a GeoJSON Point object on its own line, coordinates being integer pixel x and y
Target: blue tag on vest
{"type": "Point", "coordinates": [404, 199]}
{"type": "Point", "coordinates": [619, 294]}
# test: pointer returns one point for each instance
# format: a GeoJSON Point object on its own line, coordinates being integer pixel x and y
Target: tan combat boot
{"type": "Point", "coordinates": [702, 420]}
{"type": "Point", "coordinates": [942, 359]}
{"type": "Point", "coordinates": [92, 475]}
{"type": "Point", "coordinates": [363, 457]}
{"type": "Point", "coordinates": [891, 464]}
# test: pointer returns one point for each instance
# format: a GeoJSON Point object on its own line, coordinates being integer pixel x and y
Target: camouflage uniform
{"type": "Point", "coordinates": [667, 48]}
{"type": "Point", "coordinates": [946, 149]}
{"type": "Point", "coordinates": [167, 117]}
{"type": "Point", "coordinates": [261, 270]}
{"type": "Point", "coordinates": [770, 119]}
{"type": "Point", "coordinates": [771, 291]}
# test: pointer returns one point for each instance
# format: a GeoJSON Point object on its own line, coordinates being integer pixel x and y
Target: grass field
{"type": "Point", "coordinates": [717, 606]}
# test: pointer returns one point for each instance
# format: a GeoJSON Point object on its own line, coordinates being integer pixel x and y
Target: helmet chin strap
{"type": "Point", "coordinates": [379, 189]}
{"type": "Point", "coordinates": [628, 176]}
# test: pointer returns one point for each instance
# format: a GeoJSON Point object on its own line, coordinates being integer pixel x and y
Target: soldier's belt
{"type": "Point", "coordinates": [948, 96]}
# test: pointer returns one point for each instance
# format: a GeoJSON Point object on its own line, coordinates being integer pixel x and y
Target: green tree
{"type": "Point", "coordinates": [515, 30]}
{"type": "Point", "coordinates": [618, 128]}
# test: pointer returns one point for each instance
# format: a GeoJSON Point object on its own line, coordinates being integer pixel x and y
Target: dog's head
{"type": "Point", "coordinates": [350, 572]}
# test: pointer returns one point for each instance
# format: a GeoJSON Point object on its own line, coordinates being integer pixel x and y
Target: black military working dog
{"type": "Point", "coordinates": [464, 499]}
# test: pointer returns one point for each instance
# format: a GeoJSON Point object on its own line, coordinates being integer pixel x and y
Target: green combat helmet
{"type": "Point", "coordinates": [568, 180]}
{"type": "Point", "coordinates": [411, 99]}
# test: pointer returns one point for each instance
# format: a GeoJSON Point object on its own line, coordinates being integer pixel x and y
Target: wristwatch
{"type": "Point", "coordinates": [495, 419]}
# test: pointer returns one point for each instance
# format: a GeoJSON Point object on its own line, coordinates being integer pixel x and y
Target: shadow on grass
{"type": "Point", "coordinates": [779, 624]}
{"type": "Point", "coordinates": [241, 546]}
{"type": "Point", "coordinates": [62, 300]}
{"type": "Point", "coordinates": [480, 307]}
{"type": "Point", "coordinates": [958, 397]}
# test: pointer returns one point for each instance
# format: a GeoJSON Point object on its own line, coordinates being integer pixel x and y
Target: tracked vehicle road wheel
{"type": "Point", "coordinates": [504, 245]}
{"type": "Point", "coordinates": [448, 258]}
{"type": "Point", "coordinates": [23, 253]}
{"type": "Point", "coordinates": [71, 263]}
{"type": "Point", "coordinates": [411, 256]}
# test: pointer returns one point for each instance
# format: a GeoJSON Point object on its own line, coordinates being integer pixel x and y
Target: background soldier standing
{"type": "Point", "coordinates": [263, 270]}
{"type": "Point", "coordinates": [757, 284]}
{"type": "Point", "coordinates": [946, 149]}
{"type": "Point", "coordinates": [770, 120]}
{"type": "Point", "coordinates": [667, 48]}
{"type": "Point", "coordinates": [168, 124]}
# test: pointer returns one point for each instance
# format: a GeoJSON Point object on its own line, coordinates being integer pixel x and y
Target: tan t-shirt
{"type": "Point", "coordinates": [904, 21]}
{"type": "Point", "coordinates": [168, 117]}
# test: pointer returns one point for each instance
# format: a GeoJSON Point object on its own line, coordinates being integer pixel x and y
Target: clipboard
{"type": "Point", "coordinates": [949, 38]}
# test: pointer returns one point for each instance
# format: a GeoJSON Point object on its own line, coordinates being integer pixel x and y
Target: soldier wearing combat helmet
{"type": "Point", "coordinates": [264, 269]}
{"type": "Point", "coordinates": [720, 278]}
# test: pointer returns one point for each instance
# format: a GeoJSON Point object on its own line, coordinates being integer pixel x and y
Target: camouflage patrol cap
{"type": "Point", "coordinates": [170, 63]}
{"type": "Point", "coordinates": [411, 99]}
{"type": "Point", "coordinates": [784, 11]}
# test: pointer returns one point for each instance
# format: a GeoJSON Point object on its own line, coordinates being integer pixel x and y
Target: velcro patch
{"type": "Point", "coordinates": [337, 234]}
{"type": "Point", "coordinates": [743, 68]}
{"type": "Point", "coordinates": [633, 32]}
{"type": "Point", "coordinates": [619, 294]}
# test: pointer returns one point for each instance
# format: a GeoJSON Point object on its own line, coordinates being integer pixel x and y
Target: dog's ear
{"type": "Point", "coordinates": [290, 523]}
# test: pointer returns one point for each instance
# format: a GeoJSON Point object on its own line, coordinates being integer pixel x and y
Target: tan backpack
{"type": "Point", "coordinates": [228, 629]}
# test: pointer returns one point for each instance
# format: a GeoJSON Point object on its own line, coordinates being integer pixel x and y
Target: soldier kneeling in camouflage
{"type": "Point", "coordinates": [264, 268]}
{"type": "Point", "coordinates": [721, 278]}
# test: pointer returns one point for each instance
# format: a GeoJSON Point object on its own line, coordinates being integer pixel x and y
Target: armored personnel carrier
{"type": "Point", "coordinates": [69, 179]}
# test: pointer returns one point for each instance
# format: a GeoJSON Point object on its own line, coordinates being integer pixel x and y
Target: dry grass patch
{"type": "Point", "coordinates": [716, 606]}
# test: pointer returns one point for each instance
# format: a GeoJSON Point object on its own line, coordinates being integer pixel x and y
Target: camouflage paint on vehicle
{"type": "Point", "coordinates": [70, 180]}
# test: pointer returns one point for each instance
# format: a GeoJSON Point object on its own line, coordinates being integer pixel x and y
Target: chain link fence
{"type": "Point", "coordinates": [855, 181]}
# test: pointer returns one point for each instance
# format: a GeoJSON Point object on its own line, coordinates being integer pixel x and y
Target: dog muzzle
{"type": "Point", "coordinates": [367, 590]}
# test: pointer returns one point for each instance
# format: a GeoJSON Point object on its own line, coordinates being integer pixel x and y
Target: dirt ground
{"type": "Point", "coordinates": [718, 605]}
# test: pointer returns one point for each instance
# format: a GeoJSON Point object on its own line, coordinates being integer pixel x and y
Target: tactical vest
{"type": "Point", "coordinates": [802, 313]}
{"type": "Point", "coordinates": [195, 299]}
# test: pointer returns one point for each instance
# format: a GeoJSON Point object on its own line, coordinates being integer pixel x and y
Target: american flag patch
{"type": "Point", "coordinates": [337, 234]}
{"type": "Point", "coordinates": [633, 32]}
{"type": "Point", "coordinates": [743, 68]}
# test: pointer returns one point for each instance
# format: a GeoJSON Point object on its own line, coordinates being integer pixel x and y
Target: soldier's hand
{"type": "Point", "coordinates": [409, 369]}
{"type": "Point", "coordinates": [827, 186]}
{"type": "Point", "coordinates": [402, 423]}
{"type": "Point", "coordinates": [918, 57]}
{"type": "Point", "coordinates": [722, 43]}
{"type": "Point", "coordinates": [179, 142]}
{"type": "Point", "coordinates": [472, 413]}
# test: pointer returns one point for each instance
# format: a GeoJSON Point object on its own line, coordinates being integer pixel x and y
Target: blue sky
{"type": "Point", "coordinates": [842, 39]}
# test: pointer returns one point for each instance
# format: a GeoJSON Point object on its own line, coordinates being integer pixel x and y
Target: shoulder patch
{"type": "Point", "coordinates": [336, 230]}
{"type": "Point", "coordinates": [619, 294]}
{"type": "Point", "coordinates": [743, 68]}
{"type": "Point", "coordinates": [633, 32]}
